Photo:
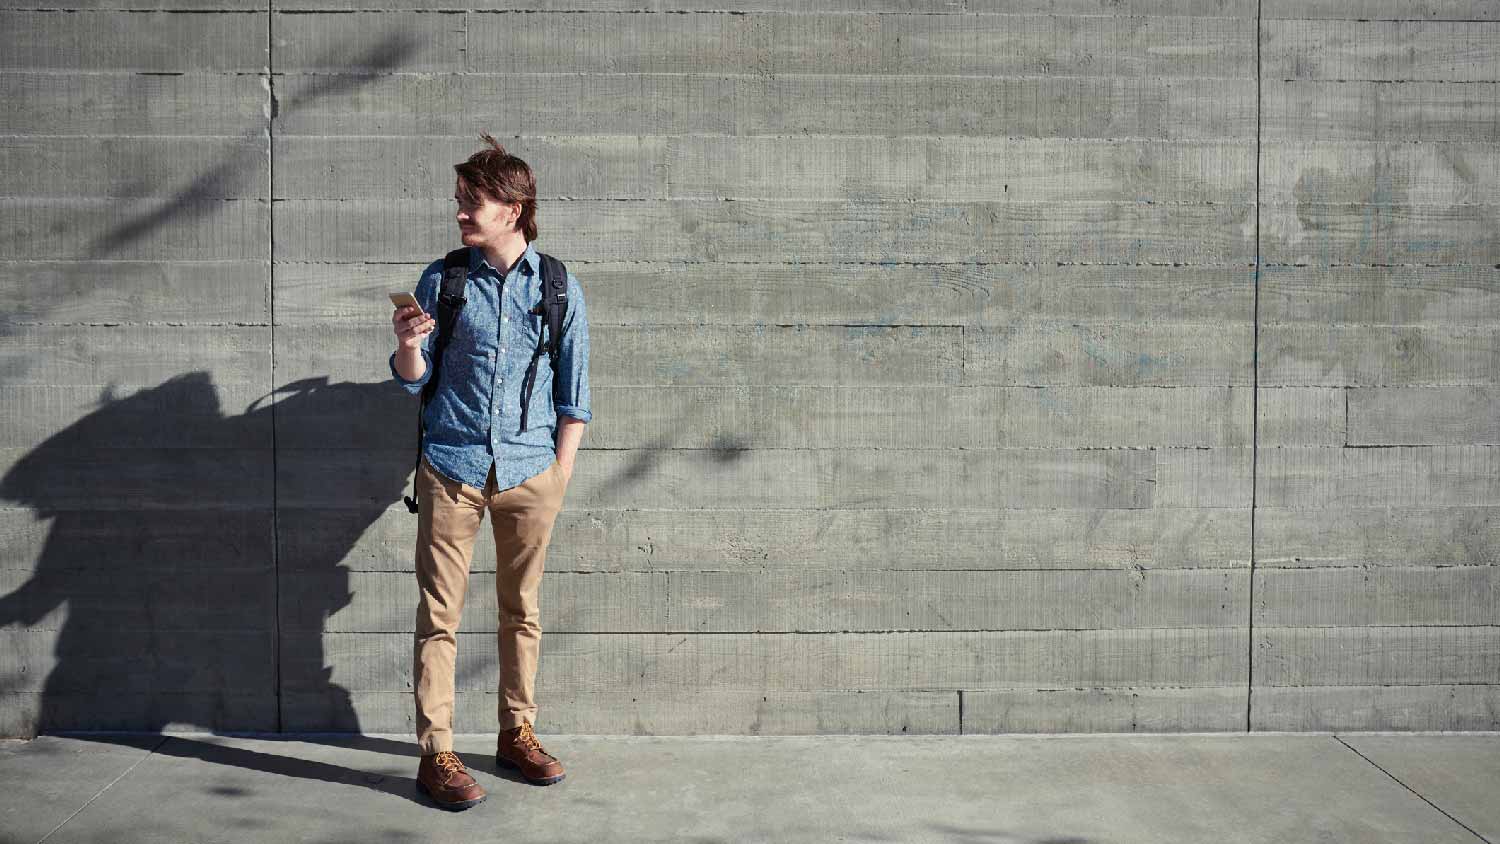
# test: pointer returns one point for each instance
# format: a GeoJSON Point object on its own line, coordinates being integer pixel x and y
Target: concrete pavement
{"type": "Point", "coordinates": [1054, 789]}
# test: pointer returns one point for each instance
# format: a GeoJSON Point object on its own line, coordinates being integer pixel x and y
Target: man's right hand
{"type": "Point", "coordinates": [411, 326]}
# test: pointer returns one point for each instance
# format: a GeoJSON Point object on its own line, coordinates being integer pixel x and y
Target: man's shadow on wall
{"type": "Point", "coordinates": [157, 569]}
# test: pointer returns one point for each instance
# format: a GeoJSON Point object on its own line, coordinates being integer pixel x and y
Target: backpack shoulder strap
{"type": "Point", "coordinates": [553, 307]}
{"type": "Point", "coordinates": [450, 301]}
{"type": "Point", "coordinates": [554, 302]}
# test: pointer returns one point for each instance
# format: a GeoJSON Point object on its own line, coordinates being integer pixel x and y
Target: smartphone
{"type": "Point", "coordinates": [404, 299]}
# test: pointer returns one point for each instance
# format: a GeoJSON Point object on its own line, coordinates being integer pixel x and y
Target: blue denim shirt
{"type": "Point", "coordinates": [474, 418]}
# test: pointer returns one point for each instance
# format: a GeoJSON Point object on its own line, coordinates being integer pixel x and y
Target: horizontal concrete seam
{"type": "Point", "coordinates": [778, 200]}
{"type": "Point", "coordinates": [758, 570]}
{"type": "Point", "coordinates": [883, 631]}
{"type": "Point", "coordinates": [749, 76]}
{"type": "Point", "coordinates": [574, 137]}
{"type": "Point", "coordinates": [1401, 81]}
{"type": "Point", "coordinates": [670, 262]}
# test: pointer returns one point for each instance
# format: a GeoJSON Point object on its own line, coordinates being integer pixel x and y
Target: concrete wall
{"type": "Point", "coordinates": [1052, 365]}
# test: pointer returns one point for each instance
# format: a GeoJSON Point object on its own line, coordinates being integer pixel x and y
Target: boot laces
{"type": "Point", "coordinates": [528, 738]}
{"type": "Point", "coordinates": [448, 762]}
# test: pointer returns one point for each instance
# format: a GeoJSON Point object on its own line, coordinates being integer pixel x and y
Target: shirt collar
{"type": "Point", "coordinates": [528, 264]}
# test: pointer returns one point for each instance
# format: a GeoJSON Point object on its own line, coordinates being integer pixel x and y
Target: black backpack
{"type": "Point", "coordinates": [451, 300]}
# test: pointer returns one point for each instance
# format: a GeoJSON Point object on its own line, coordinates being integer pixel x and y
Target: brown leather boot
{"type": "Point", "coordinates": [442, 777]}
{"type": "Point", "coordinates": [519, 748]}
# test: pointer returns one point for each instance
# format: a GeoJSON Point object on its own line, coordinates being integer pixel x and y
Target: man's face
{"type": "Point", "coordinates": [481, 220]}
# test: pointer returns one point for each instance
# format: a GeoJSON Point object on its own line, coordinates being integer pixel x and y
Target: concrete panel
{"type": "Point", "coordinates": [669, 662]}
{"type": "Point", "coordinates": [1467, 51]}
{"type": "Point", "coordinates": [1389, 174]}
{"type": "Point", "coordinates": [903, 293]}
{"type": "Point", "coordinates": [1095, 45]}
{"type": "Point", "coordinates": [1461, 535]}
{"type": "Point", "coordinates": [83, 105]}
{"type": "Point", "coordinates": [372, 416]}
{"type": "Point", "coordinates": [149, 5]}
{"type": "Point", "coordinates": [388, 42]}
{"type": "Point", "coordinates": [1462, 10]}
{"type": "Point", "coordinates": [1443, 296]}
{"type": "Point", "coordinates": [177, 292]}
{"type": "Point", "coordinates": [1443, 706]}
{"type": "Point", "coordinates": [178, 601]}
{"type": "Point", "coordinates": [1129, 709]}
{"type": "Point", "coordinates": [781, 478]}
{"type": "Point", "coordinates": [1202, 477]}
{"type": "Point", "coordinates": [684, 230]}
{"type": "Point", "coordinates": [227, 42]}
{"type": "Point", "coordinates": [675, 355]}
{"type": "Point", "coordinates": [1134, 8]}
{"type": "Point", "coordinates": [688, 712]}
{"type": "Point", "coordinates": [1455, 772]}
{"type": "Point", "coordinates": [1301, 416]}
{"type": "Point", "coordinates": [1347, 597]}
{"type": "Point", "coordinates": [754, 104]}
{"type": "Point", "coordinates": [738, 600]}
{"type": "Point", "coordinates": [1424, 415]}
{"type": "Point", "coordinates": [867, 539]}
{"type": "Point", "coordinates": [118, 709]}
{"type": "Point", "coordinates": [1393, 476]}
{"type": "Point", "coordinates": [55, 168]}
{"type": "Point", "coordinates": [151, 229]}
{"type": "Point", "coordinates": [573, 167]}
{"type": "Point", "coordinates": [34, 806]}
{"type": "Point", "coordinates": [962, 169]}
{"type": "Point", "coordinates": [71, 355]}
{"type": "Point", "coordinates": [1379, 111]}
{"type": "Point", "coordinates": [1128, 355]}
{"type": "Point", "coordinates": [88, 541]}
{"type": "Point", "coordinates": [137, 479]}
{"type": "Point", "coordinates": [1313, 232]}
{"type": "Point", "coordinates": [1376, 355]}
{"type": "Point", "coordinates": [869, 168]}
{"type": "Point", "coordinates": [190, 412]}
{"type": "Point", "coordinates": [917, 417]}
{"type": "Point", "coordinates": [100, 662]}
{"type": "Point", "coordinates": [1375, 656]}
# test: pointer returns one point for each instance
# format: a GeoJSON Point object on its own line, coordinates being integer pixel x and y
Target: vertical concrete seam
{"type": "Point", "coordinates": [960, 711]}
{"type": "Point", "coordinates": [271, 282]}
{"type": "Point", "coordinates": [107, 787]}
{"type": "Point", "coordinates": [1340, 740]}
{"type": "Point", "coordinates": [1254, 399]}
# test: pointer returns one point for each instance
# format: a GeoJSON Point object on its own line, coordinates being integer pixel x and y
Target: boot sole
{"type": "Point", "coordinates": [456, 806]}
{"type": "Point", "coordinates": [501, 760]}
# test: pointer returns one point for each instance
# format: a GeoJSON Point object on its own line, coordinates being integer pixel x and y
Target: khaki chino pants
{"type": "Point", "coordinates": [449, 514]}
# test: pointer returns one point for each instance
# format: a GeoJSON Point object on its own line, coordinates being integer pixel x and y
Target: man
{"type": "Point", "coordinates": [475, 457]}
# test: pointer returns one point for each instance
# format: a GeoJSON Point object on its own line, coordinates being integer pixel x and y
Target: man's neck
{"type": "Point", "coordinates": [504, 256]}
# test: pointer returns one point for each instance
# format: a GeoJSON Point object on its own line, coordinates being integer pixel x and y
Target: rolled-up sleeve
{"type": "Point", "coordinates": [426, 294]}
{"type": "Point", "coordinates": [570, 394]}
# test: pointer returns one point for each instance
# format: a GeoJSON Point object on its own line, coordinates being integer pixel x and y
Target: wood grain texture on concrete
{"type": "Point", "coordinates": [1374, 588]}
{"type": "Point", "coordinates": [959, 366]}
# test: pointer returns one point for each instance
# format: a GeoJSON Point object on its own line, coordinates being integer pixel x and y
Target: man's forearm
{"type": "Point", "coordinates": [569, 435]}
{"type": "Point", "coordinates": [409, 363]}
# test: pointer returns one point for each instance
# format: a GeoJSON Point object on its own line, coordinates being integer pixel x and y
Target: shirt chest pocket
{"type": "Point", "coordinates": [530, 328]}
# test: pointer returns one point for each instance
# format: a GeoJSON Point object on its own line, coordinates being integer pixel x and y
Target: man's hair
{"type": "Point", "coordinates": [502, 177]}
